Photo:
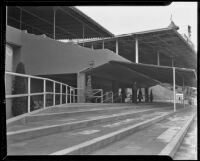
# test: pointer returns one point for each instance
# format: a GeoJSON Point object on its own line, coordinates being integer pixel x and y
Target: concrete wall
{"type": "Point", "coordinates": [46, 56]}
{"type": "Point", "coordinates": [8, 79]}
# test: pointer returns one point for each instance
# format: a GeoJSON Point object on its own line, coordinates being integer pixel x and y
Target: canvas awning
{"type": "Point", "coordinates": [145, 75]}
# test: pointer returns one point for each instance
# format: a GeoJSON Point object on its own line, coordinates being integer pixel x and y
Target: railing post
{"type": "Point", "coordinates": [60, 93]}
{"type": "Point", "coordinates": [74, 95]}
{"type": "Point", "coordinates": [29, 92]}
{"type": "Point", "coordinates": [66, 94]}
{"type": "Point", "coordinates": [54, 95]}
{"type": "Point", "coordinates": [44, 91]}
{"type": "Point", "coordinates": [112, 97]}
{"type": "Point", "coordinates": [101, 96]}
{"type": "Point", "coordinates": [70, 98]}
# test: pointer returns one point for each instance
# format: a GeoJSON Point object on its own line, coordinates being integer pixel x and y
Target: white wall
{"type": "Point", "coordinates": [8, 79]}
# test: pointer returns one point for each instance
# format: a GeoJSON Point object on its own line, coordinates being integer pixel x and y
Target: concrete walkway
{"type": "Point", "coordinates": [188, 148]}
{"type": "Point", "coordinates": [149, 141]}
{"type": "Point", "coordinates": [51, 143]}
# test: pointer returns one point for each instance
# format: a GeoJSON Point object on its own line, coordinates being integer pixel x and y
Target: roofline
{"type": "Point", "coordinates": [156, 66]}
{"type": "Point", "coordinates": [91, 20]}
{"type": "Point", "coordinates": [130, 34]}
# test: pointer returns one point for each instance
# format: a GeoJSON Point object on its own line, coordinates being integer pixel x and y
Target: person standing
{"type": "Point", "coordinates": [134, 92]}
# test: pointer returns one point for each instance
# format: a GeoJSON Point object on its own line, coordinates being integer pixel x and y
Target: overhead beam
{"type": "Point", "coordinates": [174, 88]}
{"type": "Point", "coordinates": [50, 23]}
{"type": "Point", "coordinates": [80, 21]}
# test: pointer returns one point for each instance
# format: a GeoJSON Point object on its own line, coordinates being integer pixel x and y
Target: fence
{"type": "Point", "coordinates": [40, 92]}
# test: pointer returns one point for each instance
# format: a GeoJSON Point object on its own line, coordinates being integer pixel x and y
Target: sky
{"type": "Point", "coordinates": [129, 19]}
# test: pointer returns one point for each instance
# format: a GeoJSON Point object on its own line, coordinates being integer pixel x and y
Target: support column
{"type": "Point", "coordinates": [117, 49]}
{"type": "Point", "coordinates": [103, 44]}
{"type": "Point", "coordinates": [92, 47]}
{"type": "Point", "coordinates": [136, 51]}
{"type": "Point", "coordinates": [54, 23]}
{"type": "Point", "coordinates": [81, 85]}
{"type": "Point", "coordinates": [83, 35]}
{"type": "Point", "coordinates": [174, 88]}
{"type": "Point", "coordinates": [158, 58]}
{"type": "Point", "coordinates": [6, 15]}
{"type": "Point", "coordinates": [172, 62]}
{"type": "Point", "coordinates": [183, 88]}
{"type": "Point", "coordinates": [20, 19]}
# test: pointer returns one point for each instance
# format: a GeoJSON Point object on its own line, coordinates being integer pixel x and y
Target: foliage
{"type": "Point", "coordinates": [89, 93]}
{"type": "Point", "coordinates": [19, 105]}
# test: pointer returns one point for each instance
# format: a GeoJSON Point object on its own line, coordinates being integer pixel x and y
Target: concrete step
{"type": "Point", "coordinates": [85, 106]}
{"type": "Point", "coordinates": [55, 115]}
{"type": "Point", "coordinates": [27, 132]}
{"type": "Point", "coordinates": [158, 139]}
{"type": "Point", "coordinates": [77, 140]}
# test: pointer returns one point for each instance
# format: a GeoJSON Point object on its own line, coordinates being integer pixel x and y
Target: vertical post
{"type": "Point", "coordinates": [20, 19]}
{"type": "Point", "coordinates": [92, 47]}
{"type": "Point", "coordinates": [29, 96]}
{"type": "Point", "coordinates": [112, 97]}
{"type": "Point", "coordinates": [136, 50]}
{"type": "Point", "coordinates": [83, 34]}
{"type": "Point", "coordinates": [66, 94]}
{"type": "Point", "coordinates": [117, 49]}
{"type": "Point", "coordinates": [60, 94]}
{"type": "Point", "coordinates": [158, 58]}
{"type": "Point", "coordinates": [101, 95]}
{"type": "Point", "coordinates": [174, 88]}
{"type": "Point", "coordinates": [54, 23]}
{"type": "Point", "coordinates": [183, 93]}
{"type": "Point", "coordinates": [6, 15]}
{"type": "Point", "coordinates": [74, 95]}
{"type": "Point", "coordinates": [70, 91]}
{"type": "Point", "coordinates": [54, 95]}
{"type": "Point", "coordinates": [44, 91]}
{"type": "Point", "coordinates": [172, 62]}
{"type": "Point", "coordinates": [103, 44]}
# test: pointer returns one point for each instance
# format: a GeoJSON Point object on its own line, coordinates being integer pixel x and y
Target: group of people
{"type": "Point", "coordinates": [137, 96]}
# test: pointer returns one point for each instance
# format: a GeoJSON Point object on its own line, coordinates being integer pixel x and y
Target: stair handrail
{"type": "Point", "coordinates": [69, 90]}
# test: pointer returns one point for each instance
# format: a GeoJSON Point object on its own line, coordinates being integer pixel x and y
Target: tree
{"type": "Point", "coordinates": [151, 96]}
{"type": "Point", "coordinates": [19, 105]}
{"type": "Point", "coordinates": [89, 94]}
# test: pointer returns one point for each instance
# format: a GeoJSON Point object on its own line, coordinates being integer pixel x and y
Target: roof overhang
{"type": "Point", "coordinates": [70, 22]}
{"type": "Point", "coordinates": [122, 74]}
{"type": "Point", "coordinates": [167, 41]}
{"type": "Point", "coordinates": [144, 75]}
{"type": "Point", "coordinates": [163, 74]}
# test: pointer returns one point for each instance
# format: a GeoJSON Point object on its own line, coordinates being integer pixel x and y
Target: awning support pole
{"type": "Point", "coordinates": [6, 15]}
{"type": "Point", "coordinates": [20, 20]}
{"type": "Point", "coordinates": [183, 93]}
{"type": "Point", "coordinates": [83, 34]}
{"type": "Point", "coordinates": [174, 88]}
{"type": "Point", "coordinates": [158, 58]}
{"type": "Point", "coordinates": [136, 50]}
{"type": "Point", "coordinates": [92, 46]}
{"type": "Point", "coordinates": [172, 62]}
{"type": "Point", "coordinates": [103, 44]}
{"type": "Point", "coordinates": [116, 50]}
{"type": "Point", "coordinates": [54, 23]}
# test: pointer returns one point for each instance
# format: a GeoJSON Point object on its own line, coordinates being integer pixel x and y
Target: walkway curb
{"type": "Point", "coordinates": [50, 116]}
{"type": "Point", "coordinates": [96, 143]}
{"type": "Point", "coordinates": [173, 146]}
{"type": "Point", "coordinates": [14, 136]}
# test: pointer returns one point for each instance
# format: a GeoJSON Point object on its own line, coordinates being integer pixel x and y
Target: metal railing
{"type": "Point", "coordinates": [97, 94]}
{"type": "Point", "coordinates": [108, 97]}
{"type": "Point", "coordinates": [70, 93]}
